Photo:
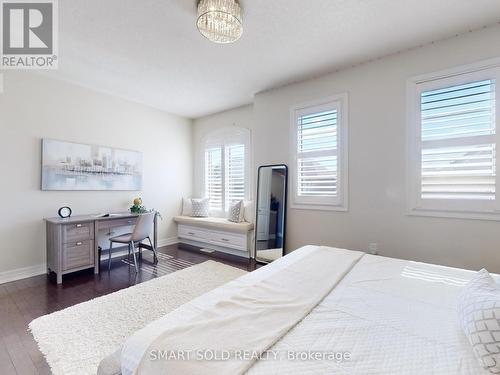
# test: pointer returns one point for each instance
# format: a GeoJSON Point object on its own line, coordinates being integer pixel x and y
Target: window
{"type": "Point", "coordinates": [319, 166]}
{"type": "Point", "coordinates": [453, 144]}
{"type": "Point", "coordinates": [226, 167]}
{"type": "Point", "coordinates": [214, 177]}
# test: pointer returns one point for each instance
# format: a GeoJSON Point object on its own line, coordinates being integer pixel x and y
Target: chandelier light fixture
{"type": "Point", "coordinates": [220, 20]}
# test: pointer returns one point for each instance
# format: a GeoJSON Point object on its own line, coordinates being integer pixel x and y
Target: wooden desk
{"type": "Point", "coordinates": [72, 243]}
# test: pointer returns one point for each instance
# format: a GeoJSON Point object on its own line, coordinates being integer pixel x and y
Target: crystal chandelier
{"type": "Point", "coordinates": [220, 20]}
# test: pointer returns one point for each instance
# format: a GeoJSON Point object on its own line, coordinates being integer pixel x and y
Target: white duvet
{"type": "Point", "coordinates": [288, 289]}
{"type": "Point", "coordinates": [243, 324]}
{"type": "Point", "coordinates": [390, 316]}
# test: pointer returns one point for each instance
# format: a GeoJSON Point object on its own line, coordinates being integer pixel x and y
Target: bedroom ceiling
{"type": "Point", "coordinates": [150, 51]}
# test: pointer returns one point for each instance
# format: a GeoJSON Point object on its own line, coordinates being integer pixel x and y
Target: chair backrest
{"type": "Point", "coordinates": [143, 226]}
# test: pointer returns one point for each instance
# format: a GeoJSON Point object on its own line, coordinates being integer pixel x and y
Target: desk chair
{"type": "Point", "coordinates": [141, 232]}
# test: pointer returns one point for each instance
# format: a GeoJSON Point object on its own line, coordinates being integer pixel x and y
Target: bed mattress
{"type": "Point", "coordinates": [386, 316]}
{"type": "Point", "coordinates": [391, 316]}
{"type": "Point", "coordinates": [137, 345]}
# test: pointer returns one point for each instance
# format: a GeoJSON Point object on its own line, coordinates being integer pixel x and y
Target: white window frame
{"type": "Point", "coordinates": [224, 137]}
{"type": "Point", "coordinates": [340, 202]}
{"type": "Point", "coordinates": [453, 208]}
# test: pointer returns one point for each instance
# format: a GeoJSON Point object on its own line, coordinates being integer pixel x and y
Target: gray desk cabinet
{"type": "Point", "coordinates": [72, 242]}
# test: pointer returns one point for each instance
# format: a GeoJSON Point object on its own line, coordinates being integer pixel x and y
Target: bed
{"type": "Point", "coordinates": [373, 315]}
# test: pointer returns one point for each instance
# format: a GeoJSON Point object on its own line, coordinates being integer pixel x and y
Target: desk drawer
{"type": "Point", "coordinates": [78, 254]}
{"type": "Point", "coordinates": [77, 232]}
{"type": "Point", "coordinates": [115, 223]}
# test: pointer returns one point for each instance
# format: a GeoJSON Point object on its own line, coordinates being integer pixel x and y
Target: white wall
{"type": "Point", "coordinates": [377, 158]}
{"type": "Point", "coordinates": [34, 107]}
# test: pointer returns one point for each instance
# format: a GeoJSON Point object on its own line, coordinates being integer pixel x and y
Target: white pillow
{"type": "Point", "coordinates": [187, 207]}
{"type": "Point", "coordinates": [248, 211]}
{"type": "Point", "coordinates": [236, 212]}
{"type": "Point", "coordinates": [479, 313]}
{"type": "Point", "coordinates": [201, 207]}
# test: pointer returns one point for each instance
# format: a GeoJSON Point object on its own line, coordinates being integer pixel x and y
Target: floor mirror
{"type": "Point", "coordinates": [271, 212]}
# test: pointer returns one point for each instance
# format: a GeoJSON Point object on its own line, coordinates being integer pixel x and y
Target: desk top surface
{"type": "Point", "coordinates": [87, 218]}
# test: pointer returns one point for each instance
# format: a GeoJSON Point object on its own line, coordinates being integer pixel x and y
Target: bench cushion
{"type": "Point", "coordinates": [214, 223]}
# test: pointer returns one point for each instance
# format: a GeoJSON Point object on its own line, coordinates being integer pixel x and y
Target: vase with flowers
{"type": "Point", "coordinates": [139, 208]}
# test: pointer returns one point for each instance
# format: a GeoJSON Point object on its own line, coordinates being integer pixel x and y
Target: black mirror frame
{"type": "Point", "coordinates": [285, 208]}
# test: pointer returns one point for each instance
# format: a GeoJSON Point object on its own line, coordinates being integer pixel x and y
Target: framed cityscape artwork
{"type": "Point", "coordinates": [75, 166]}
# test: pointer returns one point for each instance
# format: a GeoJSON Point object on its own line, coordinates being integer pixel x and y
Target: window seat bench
{"type": "Point", "coordinates": [215, 233]}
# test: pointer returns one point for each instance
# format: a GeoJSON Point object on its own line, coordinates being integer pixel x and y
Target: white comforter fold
{"type": "Point", "coordinates": [246, 316]}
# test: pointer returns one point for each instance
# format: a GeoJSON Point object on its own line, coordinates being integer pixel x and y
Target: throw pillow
{"type": "Point", "coordinates": [479, 313]}
{"type": "Point", "coordinates": [201, 207]}
{"type": "Point", "coordinates": [187, 207]}
{"type": "Point", "coordinates": [236, 212]}
{"type": "Point", "coordinates": [249, 211]}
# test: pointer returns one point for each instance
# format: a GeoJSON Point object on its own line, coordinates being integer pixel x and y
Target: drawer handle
{"type": "Point", "coordinates": [225, 239]}
{"type": "Point", "coordinates": [191, 233]}
{"type": "Point", "coordinates": [79, 243]}
{"type": "Point", "coordinates": [78, 225]}
{"type": "Point", "coordinates": [130, 221]}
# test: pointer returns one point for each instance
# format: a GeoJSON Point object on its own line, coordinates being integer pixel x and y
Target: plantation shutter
{"type": "Point", "coordinates": [234, 173]}
{"type": "Point", "coordinates": [214, 177]}
{"type": "Point", "coordinates": [226, 167]}
{"type": "Point", "coordinates": [458, 128]}
{"type": "Point", "coordinates": [317, 145]}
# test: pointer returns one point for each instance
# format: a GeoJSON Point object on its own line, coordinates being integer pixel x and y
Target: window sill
{"type": "Point", "coordinates": [491, 216]}
{"type": "Point", "coordinates": [318, 207]}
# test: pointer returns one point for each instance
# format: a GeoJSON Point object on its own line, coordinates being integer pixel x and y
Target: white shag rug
{"type": "Point", "coordinates": [76, 339]}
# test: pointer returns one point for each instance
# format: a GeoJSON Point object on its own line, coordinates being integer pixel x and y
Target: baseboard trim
{"type": "Point", "coordinates": [122, 250]}
{"type": "Point", "coordinates": [168, 241]}
{"type": "Point", "coordinates": [22, 273]}
{"type": "Point", "coordinates": [25, 272]}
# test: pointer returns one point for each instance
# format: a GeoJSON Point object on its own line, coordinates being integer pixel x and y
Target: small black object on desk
{"type": "Point", "coordinates": [64, 212]}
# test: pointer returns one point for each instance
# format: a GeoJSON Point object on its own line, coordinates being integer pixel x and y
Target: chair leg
{"type": "Point", "coordinates": [133, 254]}
{"type": "Point", "coordinates": [155, 259]}
{"type": "Point", "coordinates": [110, 248]}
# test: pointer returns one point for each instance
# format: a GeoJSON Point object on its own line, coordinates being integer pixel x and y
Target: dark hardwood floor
{"type": "Point", "coordinates": [24, 300]}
